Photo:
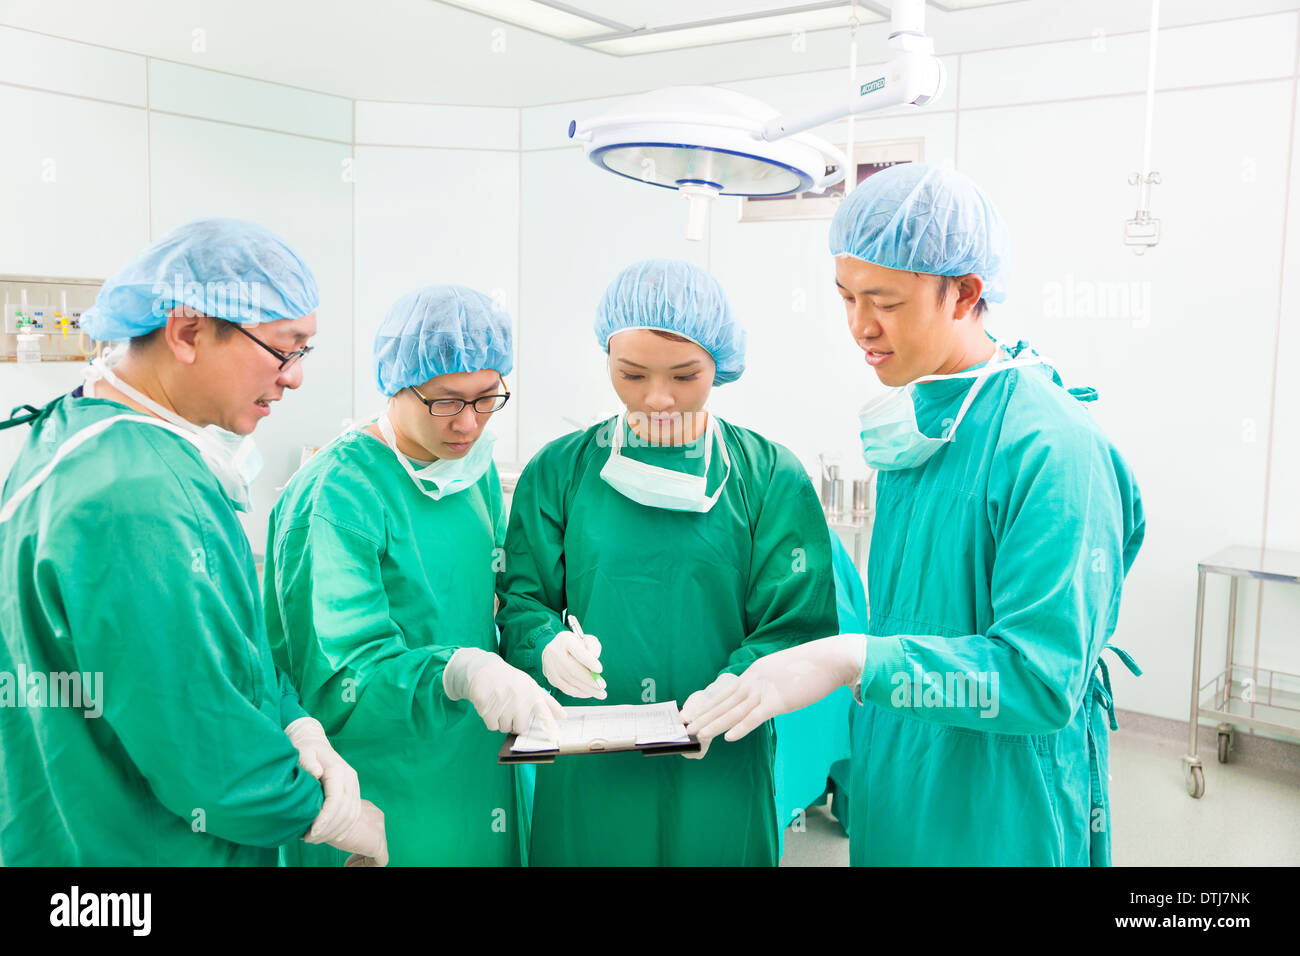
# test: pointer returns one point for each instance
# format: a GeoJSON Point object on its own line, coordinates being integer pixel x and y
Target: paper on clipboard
{"type": "Point", "coordinates": [610, 724]}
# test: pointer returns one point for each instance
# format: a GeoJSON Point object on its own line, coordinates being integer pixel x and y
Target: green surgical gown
{"type": "Point", "coordinates": [675, 598]}
{"type": "Point", "coordinates": [128, 565]}
{"type": "Point", "coordinates": [994, 581]}
{"type": "Point", "coordinates": [371, 586]}
{"type": "Point", "coordinates": [811, 743]}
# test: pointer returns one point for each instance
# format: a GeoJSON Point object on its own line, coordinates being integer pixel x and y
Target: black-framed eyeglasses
{"type": "Point", "coordinates": [286, 358]}
{"type": "Point", "coordinates": [446, 407]}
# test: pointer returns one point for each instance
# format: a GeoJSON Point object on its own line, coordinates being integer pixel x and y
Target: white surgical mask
{"type": "Point", "coordinates": [664, 488]}
{"type": "Point", "coordinates": [447, 475]}
{"type": "Point", "coordinates": [233, 459]}
{"type": "Point", "coordinates": [890, 437]}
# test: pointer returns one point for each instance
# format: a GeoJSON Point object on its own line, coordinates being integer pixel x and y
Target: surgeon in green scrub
{"type": "Point", "coordinates": [142, 720]}
{"type": "Point", "coordinates": [381, 565]}
{"type": "Point", "coordinates": [1006, 523]}
{"type": "Point", "coordinates": [684, 548]}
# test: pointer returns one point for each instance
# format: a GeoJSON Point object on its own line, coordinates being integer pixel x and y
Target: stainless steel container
{"type": "Point", "coordinates": [830, 473]}
{"type": "Point", "coordinates": [835, 504]}
{"type": "Point", "coordinates": [861, 498]}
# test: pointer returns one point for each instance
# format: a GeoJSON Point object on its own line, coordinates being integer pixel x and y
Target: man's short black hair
{"type": "Point", "coordinates": [945, 284]}
{"type": "Point", "coordinates": [224, 330]}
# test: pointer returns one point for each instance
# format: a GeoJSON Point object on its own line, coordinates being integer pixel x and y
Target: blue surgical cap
{"type": "Point", "coordinates": [678, 297]}
{"type": "Point", "coordinates": [921, 218]}
{"type": "Point", "coordinates": [438, 330]}
{"type": "Point", "coordinates": [226, 268]}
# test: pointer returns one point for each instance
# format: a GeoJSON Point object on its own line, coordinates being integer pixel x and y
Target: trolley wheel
{"type": "Point", "coordinates": [1195, 779]}
{"type": "Point", "coordinates": [1225, 741]}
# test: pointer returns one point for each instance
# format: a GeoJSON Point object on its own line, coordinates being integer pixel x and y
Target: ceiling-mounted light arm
{"type": "Point", "coordinates": [914, 77]}
{"type": "Point", "coordinates": [907, 18]}
{"type": "Point", "coordinates": [706, 142]}
{"type": "Point", "coordinates": [837, 164]}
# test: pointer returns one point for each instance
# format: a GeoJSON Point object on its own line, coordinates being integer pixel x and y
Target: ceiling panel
{"type": "Point", "coordinates": [649, 14]}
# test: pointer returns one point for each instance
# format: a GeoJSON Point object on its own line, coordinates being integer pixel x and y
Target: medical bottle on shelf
{"type": "Point", "coordinates": [29, 344]}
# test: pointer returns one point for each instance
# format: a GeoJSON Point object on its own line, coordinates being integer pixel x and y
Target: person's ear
{"type": "Point", "coordinates": [182, 333]}
{"type": "Point", "coordinates": [970, 288]}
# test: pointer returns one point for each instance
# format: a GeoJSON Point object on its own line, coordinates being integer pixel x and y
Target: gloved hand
{"type": "Point", "coordinates": [366, 840]}
{"type": "Point", "coordinates": [568, 661]}
{"type": "Point", "coordinates": [778, 684]}
{"type": "Point", "coordinates": [342, 807]}
{"type": "Point", "coordinates": [700, 701]}
{"type": "Point", "coordinates": [505, 697]}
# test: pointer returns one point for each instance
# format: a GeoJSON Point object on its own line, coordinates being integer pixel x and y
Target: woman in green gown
{"type": "Point", "coordinates": [381, 563]}
{"type": "Point", "coordinates": [686, 548]}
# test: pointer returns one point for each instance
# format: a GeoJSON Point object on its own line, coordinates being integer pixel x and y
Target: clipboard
{"type": "Point", "coordinates": [506, 756]}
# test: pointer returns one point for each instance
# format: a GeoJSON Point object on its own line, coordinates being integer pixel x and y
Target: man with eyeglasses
{"type": "Point", "coordinates": [154, 727]}
{"type": "Point", "coordinates": [381, 565]}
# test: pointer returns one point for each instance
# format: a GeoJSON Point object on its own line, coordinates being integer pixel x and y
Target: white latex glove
{"type": "Point", "coordinates": [778, 684]}
{"type": "Point", "coordinates": [366, 840]}
{"type": "Point", "coordinates": [342, 807]}
{"type": "Point", "coordinates": [700, 701]}
{"type": "Point", "coordinates": [505, 697]}
{"type": "Point", "coordinates": [568, 661]}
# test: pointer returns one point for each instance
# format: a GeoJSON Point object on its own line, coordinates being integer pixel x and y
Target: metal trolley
{"type": "Point", "coordinates": [1245, 696]}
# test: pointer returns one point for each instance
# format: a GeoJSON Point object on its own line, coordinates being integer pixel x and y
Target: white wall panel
{"type": "Point", "coordinates": [417, 124]}
{"type": "Point", "coordinates": [73, 187]}
{"type": "Point", "coordinates": [1224, 52]}
{"type": "Point", "coordinates": [233, 99]}
{"type": "Point", "coordinates": [435, 216]}
{"type": "Point", "coordinates": [62, 66]}
{"type": "Point", "coordinates": [1179, 341]}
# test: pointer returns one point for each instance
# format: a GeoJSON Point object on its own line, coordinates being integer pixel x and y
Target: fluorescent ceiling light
{"type": "Point", "coordinates": [658, 14]}
{"type": "Point", "coordinates": [558, 20]}
{"type": "Point", "coordinates": [952, 5]}
{"type": "Point", "coordinates": [727, 31]}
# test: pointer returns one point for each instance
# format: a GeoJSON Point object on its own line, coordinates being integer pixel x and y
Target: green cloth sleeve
{"type": "Point", "coordinates": [532, 585]}
{"type": "Point", "coordinates": [1058, 519]}
{"type": "Point", "coordinates": [168, 613]}
{"type": "Point", "coordinates": [850, 595]}
{"type": "Point", "coordinates": [790, 594]}
{"type": "Point", "coordinates": [496, 506]}
{"type": "Point", "coordinates": [290, 704]}
{"type": "Point", "coordinates": [331, 598]}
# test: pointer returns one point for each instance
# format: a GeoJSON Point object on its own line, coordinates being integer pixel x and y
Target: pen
{"type": "Point", "coordinates": [576, 628]}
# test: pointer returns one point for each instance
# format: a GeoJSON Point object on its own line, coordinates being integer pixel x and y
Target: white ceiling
{"type": "Point", "coordinates": [426, 51]}
{"type": "Point", "coordinates": [654, 14]}
{"type": "Point", "coordinates": [658, 13]}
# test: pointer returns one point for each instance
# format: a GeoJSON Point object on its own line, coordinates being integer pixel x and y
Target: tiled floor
{"type": "Point", "coordinates": [1249, 816]}
{"type": "Point", "coordinates": [822, 842]}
